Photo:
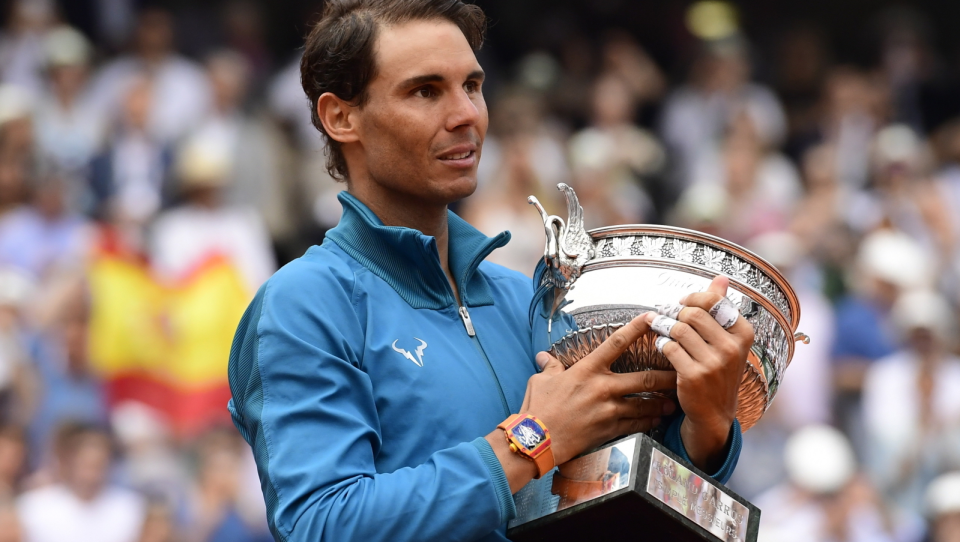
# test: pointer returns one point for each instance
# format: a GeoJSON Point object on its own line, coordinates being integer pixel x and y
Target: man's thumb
{"type": "Point", "coordinates": [548, 363]}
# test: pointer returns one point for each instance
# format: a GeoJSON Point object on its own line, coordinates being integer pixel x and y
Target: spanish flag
{"type": "Point", "coordinates": [166, 345]}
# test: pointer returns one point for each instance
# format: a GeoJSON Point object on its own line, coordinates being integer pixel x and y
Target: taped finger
{"type": "Point", "coordinates": [662, 342]}
{"type": "Point", "coordinates": [670, 310]}
{"type": "Point", "coordinates": [662, 325]}
{"type": "Point", "coordinates": [725, 313]}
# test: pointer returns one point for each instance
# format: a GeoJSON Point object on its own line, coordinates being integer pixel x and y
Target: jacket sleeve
{"type": "Point", "coordinates": [672, 440]}
{"type": "Point", "coordinates": [306, 408]}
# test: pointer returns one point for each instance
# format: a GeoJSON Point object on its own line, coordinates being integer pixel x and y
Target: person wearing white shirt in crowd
{"type": "Point", "coordinates": [22, 43]}
{"type": "Point", "coordinates": [182, 90]}
{"type": "Point", "coordinates": [697, 114]}
{"type": "Point", "coordinates": [81, 506]}
{"type": "Point", "coordinates": [255, 179]}
{"type": "Point", "coordinates": [826, 499]}
{"type": "Point", "coordinates": [186, 236]}
{"type": "Point", "coordinates": [911, 401]}
{"type": "Point", "coordinates": [69, 129]}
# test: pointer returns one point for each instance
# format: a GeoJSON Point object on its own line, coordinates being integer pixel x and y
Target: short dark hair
{"type": "Point", "coordinates": [338, 54]}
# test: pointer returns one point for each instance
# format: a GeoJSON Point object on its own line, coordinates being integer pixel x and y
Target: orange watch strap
{"type": "Point", "coordinates": [545, 462]}
{"type": "Point", "coordinates": [543, 457]}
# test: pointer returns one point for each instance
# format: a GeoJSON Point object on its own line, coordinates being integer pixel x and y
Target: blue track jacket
{"type": "Point", "coordinates": [366, 400]}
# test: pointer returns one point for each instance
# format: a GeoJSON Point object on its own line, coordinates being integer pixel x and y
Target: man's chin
{"type": "Point", "coordinates": [457, 189]}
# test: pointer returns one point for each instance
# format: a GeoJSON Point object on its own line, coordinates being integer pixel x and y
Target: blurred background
{"type": "Point", "coordinates": [157, 164]}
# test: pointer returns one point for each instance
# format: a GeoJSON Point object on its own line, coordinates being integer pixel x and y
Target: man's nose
{"type": "Point", "coordinates": [465, 110]}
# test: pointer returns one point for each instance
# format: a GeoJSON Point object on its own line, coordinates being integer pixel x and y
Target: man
{"type": "Point", "coordinates": [370, 375]}
{"type": "Point", "coordinates": [82, 505]}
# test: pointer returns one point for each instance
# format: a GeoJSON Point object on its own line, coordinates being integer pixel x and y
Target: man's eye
{"type": "Point", "coordinates": [425, 92]}
{"type": "Point", "coordinates": [471, 86]}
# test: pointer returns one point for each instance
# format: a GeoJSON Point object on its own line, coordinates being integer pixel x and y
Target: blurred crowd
{"type": "Point", "coordinates": [145, 196]}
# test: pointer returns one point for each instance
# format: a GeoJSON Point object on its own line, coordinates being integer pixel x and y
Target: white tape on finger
{"type": "Point", "coordinates": [662, 325]}
{"type": "Point", "coordinates": [661, 342]}
{"type": "Point", "coordinates": [725, 313]}
{"type": "Point", "coordinates": [670, 310]}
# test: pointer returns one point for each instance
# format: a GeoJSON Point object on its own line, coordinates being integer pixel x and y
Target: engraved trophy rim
{"type": "Point", "coordinates": [793, 302]}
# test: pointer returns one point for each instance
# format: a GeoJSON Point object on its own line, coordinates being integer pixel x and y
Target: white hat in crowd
{"type": "Point", "coordinates": [897, 143]}
{"type": "Point", "coordinates": [943, 495]}
{"type": "Point", "coordinates": [65, 46]}
{"type": "Point", "coordinates": [819, 459]}
{"type": "Point", "coordinates": [894, 257]}
{"type": "Point", "coordinates": [204, 161]}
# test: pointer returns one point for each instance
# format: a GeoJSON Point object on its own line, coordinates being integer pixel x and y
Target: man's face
{"type": "Point", "coordinates": [422, 127]}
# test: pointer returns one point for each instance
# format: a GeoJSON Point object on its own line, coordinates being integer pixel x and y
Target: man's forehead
{"type": "Point", "coordinates": [419, 48]}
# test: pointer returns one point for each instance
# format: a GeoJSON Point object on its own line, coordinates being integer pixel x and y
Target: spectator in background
{"type": "Point", "coordinates": [902, 195]}
{"type": "Point", "coordinates": [68, 389]}
{"type": "Point", "coordinates": [911, 401]}
{"type": "Point", "coordinates": [22, 43]}
{"type": "Point", "coordinates": [943, 508]}
{"type": "Point", "coordinates": [762, 186]}
{"type": "Point", "coordinates": [223, 508]}
{"type": "Point", "coordinates": [821, 214]}
{"type": "Point", "coordinates": [16, 378]}
{"type": "Point", "coordinates": [130, 176]}
{"type": "Point", "coordinates": [69, 129]}
{"type": "Point", "coordinates": [254, 169]}
{"type": "Point", "coordinates": [181, 90]}
{"type": "Point", "coordinates": [801, 64]}
{"type": "Point", "coordinates": [825, 498]}
{"type": "Point", "coordinates": [85, 505]}
{"type": "Point", "coordinates": [853, 108]}
{"type": "Point", "coordinates": [888, 263]}
{"type": "Point", "coordinates": [204, 226]}
{"type": "Point", "coordinates": [697, 115]}
{"type": "Point", "coordinates": [16, 146]}
{"type": "Point", "coordinates": [44, 237]}
{"type": "Point", "coordinates": [149, 461]}
{"type": "Point", "coordinates": [615, 163]}
{"type": "Point", "coordinates": [243, 25]}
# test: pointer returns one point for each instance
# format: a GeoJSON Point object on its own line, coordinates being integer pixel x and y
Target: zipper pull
{"type": "Point", "coordinates": [467, 323]}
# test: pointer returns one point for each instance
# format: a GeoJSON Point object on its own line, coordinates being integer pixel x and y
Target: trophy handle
{"type": "Point", "coordinates": [568, 247]}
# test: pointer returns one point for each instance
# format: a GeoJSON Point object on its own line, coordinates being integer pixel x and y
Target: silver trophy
{"type": "Point", "coordinates": [593, 282]}
{"type": "Point", "coordinates": [590, 283]}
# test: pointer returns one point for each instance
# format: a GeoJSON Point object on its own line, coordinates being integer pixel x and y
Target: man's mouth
{"type": "Point", "coordinates": [457, 156]}
{"type": "Point", "coordinates": [464, 157]}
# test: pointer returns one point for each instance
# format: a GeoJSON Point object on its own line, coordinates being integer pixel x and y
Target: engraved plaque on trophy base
{"type": "Point", "coordinates": [632, 489]}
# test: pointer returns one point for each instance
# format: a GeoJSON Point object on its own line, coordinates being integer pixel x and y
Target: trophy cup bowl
{"type": "Point", "coordinates": [602, 278]}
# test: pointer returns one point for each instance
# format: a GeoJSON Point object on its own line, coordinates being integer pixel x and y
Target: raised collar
{"type": "Point", "coordinates": [408, 260]}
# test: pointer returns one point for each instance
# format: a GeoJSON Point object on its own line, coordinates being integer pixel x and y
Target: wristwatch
{"type": "Point", "coordinates": [528, 437]}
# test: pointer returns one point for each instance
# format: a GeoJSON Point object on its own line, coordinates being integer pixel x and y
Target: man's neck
{"type": "Point", "coordinates": [395, 210]}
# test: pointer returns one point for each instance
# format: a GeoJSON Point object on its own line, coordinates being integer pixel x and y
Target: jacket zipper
{"type": "Point", "coordinates": [468, 324]}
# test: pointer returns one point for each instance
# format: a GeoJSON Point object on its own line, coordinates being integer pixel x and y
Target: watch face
{"type": "Point", "coordinates": [528, 433]}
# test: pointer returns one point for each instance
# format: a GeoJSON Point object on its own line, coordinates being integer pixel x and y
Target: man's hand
{"type": "Point", "coordinates": [710, 362]}
{"type": "Point", "coordinates": [584, 406]}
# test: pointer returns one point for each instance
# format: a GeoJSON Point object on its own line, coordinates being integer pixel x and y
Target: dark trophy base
{"type": "Point", "coordinates": [631, 489]}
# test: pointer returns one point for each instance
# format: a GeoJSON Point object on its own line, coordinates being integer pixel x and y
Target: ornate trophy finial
{"type": "Point", "coordinates": [568, 246]}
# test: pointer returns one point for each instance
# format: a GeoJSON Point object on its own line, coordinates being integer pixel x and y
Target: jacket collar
{"type": "Point", "coordinates": [408, 260]}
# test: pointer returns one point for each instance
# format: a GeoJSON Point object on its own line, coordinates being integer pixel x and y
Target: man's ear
{"type": "Point", "coordinates": [337, 117]}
